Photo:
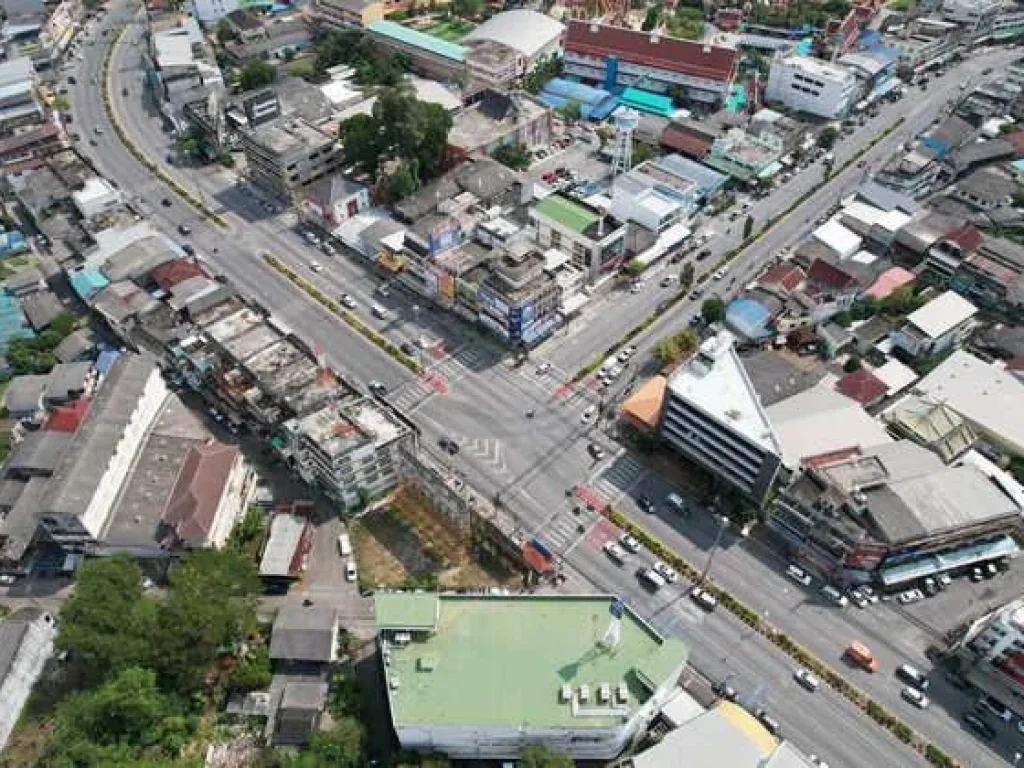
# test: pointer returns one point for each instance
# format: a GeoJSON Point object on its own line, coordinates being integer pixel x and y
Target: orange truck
{"type": "Point", "coordinates": [861, 655]}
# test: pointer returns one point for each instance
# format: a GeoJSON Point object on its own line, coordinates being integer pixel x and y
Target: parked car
{"type": "Point", "coordinates": [350, 570]}
{"type": "Point", "coordinates": [724, 691]}
{"type": "Point", "coordinates": [589, 415]}
{"type": "Point", "coordinates": [799, 575]}
{"type": "Point", "coordinates": [448, 445]}
{"type": "Point", "coordinates": [630, 542]}
{"type": "Point", "coordinates": [976, 574]}
{"type": "Point", "coordinates": [834, 595]}
{"type": "Point", "coordinates": [770, 723]}
{"type": "Point", "coordinates": [596, 451]}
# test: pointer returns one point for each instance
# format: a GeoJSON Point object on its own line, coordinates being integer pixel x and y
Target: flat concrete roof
{"type": "Point", "coordinates": [504, 660]}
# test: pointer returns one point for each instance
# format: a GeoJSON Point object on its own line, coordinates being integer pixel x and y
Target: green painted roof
{"type": "Point", "coordinates": [412, 37]}
{"type": "Point", "coordinates": [405, 610]}
{"type": "Point", "coordinates": [567, 213]}
{"type": "Point", "coordinates": [503, 661]}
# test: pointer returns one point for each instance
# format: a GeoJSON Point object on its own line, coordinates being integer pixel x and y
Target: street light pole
{"type": "Point", "coordinates": [723, 521]}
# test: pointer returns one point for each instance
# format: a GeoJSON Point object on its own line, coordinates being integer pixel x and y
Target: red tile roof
{"type": "Point", "coordinates": [681, 140]}
{"type": "Point", "coordinates": [785, 275]}
{"type": "Point", "coordinates": [862, 386]}
{"type": "Point", "coordinates": [48, 132]}
{"type": "Point", "coordinates": [829, 276]}
{"type": "Point", "coordinates": [968, 238]}
{"type": "Point", "coordinates": [728, 18]}
{"type": "Point", "coordinates": [67, 418]}
{"type": "Point", "coordinates": [709, 62]}
{"type": "Point", "coordinates": [191, 508]}
{"type": "Point", "coordinates": [173, 272]}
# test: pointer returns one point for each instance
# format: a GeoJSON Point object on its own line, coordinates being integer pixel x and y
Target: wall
{"type": "Point", "coordinates": [36, 648]}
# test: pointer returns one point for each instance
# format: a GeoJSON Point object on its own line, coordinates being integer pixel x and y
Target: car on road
{"type": "Point", "coordinates": [910, 596]}
{"type": "Point", "coordinates": [185, 229]}
{"type": "Point", "coordinates": [311, 237]}
{"type": "Point", "coordinates": [770, 723]}
{"type": "Point", "coordinates": [97, 130]}
{"type": "Point", "coordinates": [377, 388]}
{"type": "Point", "coordinates": [665, 571]}
{"type": "Point", "coordinates": [408, 349]}
{"type": "Point", "coordinates": [724, 691]}
{"type": "Point", "coordinates": [650, 578]}
{"type": "Point", "coordinates": [996, 707]}
{"type": "Point", "coordinates": [543, 368]}
{"type": "Point", "coordinates": [719, 274]}
{"type": "Point", "coordinates": [589, 415]}
{"type": "Point", "coordinates": [667, 281]}
{"type": "Point", "coordinates": [703, 598]}
{"type": "Point", "coordinates": [626, 353]}
{"type": "Point", "coordinates": [858, 598]}
{"type": "Point", "coordinates": [350, 571]}
{"type": "Point", "coordinates": [7, 579]}
{"type": "Point", "coordinates": [835, 596]}
{"type": "Point", "coordinates": [977, 575]}
{"type": "Point", "coordinates": [806, 679]}
{"type": "Point", "coordinates": [911, 674]}
{"type": "Point", "coordinates": [383, 290]}
{"type": "Point", "coordinates": [615, 552]}
{"type": "Point", "coordinates": [315, 266]}
{"type": "Point", "coordinates": [630, 542]}
{"type": "Point", "coordinates": [799, 575]}
{"type": "Point", "coordinates": [448, 445]}
{"type": "Point", "coordinates": [347, 301]}
{"type": "Point", "coordinates": [979, 726]}
{"type": "Point", "coordinates": [645, 505]}
{"type": "Point", "coordinates": [944, 580]}
{"type": "Point", "coordinates": [696, 293]}
{"type": "Point", "coordinates": [165, 202]}
{"type": "Point", "coordinates": [596, 451]}
{"type": "Point", "coordinates": [703, 254]}
{"type": "Point", "coordinates": [71, 80]}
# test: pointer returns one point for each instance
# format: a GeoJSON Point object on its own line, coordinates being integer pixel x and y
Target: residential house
{"type": "Point", "coordinates": [595, 241]}
{"type": "Point", "coordinates": [945, 321]}
{"type": "Point", "coordinates": [332, 200]}
{"type": "Point", "coordinates": [303, 646]}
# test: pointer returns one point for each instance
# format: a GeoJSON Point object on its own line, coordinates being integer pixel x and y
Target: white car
{"type": "Point", "coordinates": [915, 697]}
{"type": "Point", "coordinates": [543, 368]}
{"type": "Point", "coordinates": [350, 570]}
{"type": "Point", "coordinates": [799, 575]}
{"type": "Point", "coordinates": [806, 679]}
{"type": "Point", "coordinates": [910, 596]}
{"type": "Point", "coordinates": [719, 274]}
{"type": "Point", "coordinates": [315, 266]}
{"type": "Point", "coordinates": [630, 542]}
{"type": "Point", "coordinates": [347, 301]}
{"type": "Point", "coordinates": [703, 598]}
{"type": "Point", "coordinates": [626, 353]}
{"type": "Point", "coordinates": [665, 571]}
{"type": "Point", "coordinates": [615, 552]}
{"type": "Point", "coordinates": [589, 415]}
{"type": "Point", "coordinates": [7, 579]}
{"type": "Point", "coordinates": [384, 291]}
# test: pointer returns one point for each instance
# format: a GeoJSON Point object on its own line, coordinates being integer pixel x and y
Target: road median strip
{"type": "Point", "coordinates": [138, 154]}
{"type": "Point", "coordinates": [349, 318]}
{"type": "Point", "coordinates": [790, 647]}
{"type": "Point", "coordinates": [729, 256]}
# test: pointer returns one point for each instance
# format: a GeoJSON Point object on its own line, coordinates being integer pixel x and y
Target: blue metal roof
{"type": "Point", "coordinates": [395, 31]}
{"type": "Point", "coordinates": [748, 318]}
{"type": "Point", "coordinates": [87, 282]}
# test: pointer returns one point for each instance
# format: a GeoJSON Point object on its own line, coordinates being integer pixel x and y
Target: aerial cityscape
{"type": "Point", "coordinates": [539, 383]}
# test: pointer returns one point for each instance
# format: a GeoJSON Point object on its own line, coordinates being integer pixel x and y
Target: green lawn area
{"type": "Point", "coordinates": [451, 30]}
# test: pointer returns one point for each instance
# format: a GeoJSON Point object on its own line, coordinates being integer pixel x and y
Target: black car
{"type": "Point", "coordinates": [703, 254]}
{"type": "Point", "coordinates": [71, 80]}
{"type": "Point", "coordinates": [770, 723]}
{"type": "Point", "coordinates": [165, 202]}
{"type": "Point", "coordinates": [645, 505]}
{"type": "Point", "coordinates": [448, 446]}
{"type": "Point", "coordinates": [408, 349]}
{"type": "Point", "coordinates": [724, 691]}
{"type": "Point", "coordinates": [185, 229]}
{"type": "Point", "coordinates": [979, 726]}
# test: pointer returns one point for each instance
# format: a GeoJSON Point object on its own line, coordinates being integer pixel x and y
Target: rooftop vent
{"type": "Point", "coordinates": [584, 694]}
{"type": "Point", "coordinates": [595, 28]}
{"type": "Point", "coordinates": [565, 693]}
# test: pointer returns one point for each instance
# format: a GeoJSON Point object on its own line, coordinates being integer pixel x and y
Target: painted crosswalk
{"type": "Point", "coordinates": [440, 375]}
{"type": "Point", "coordinates": [483, 450]}
{"type": "Point", "coordinates": [566, 528]}
{"type": "Point", "coordinates": [618, 477]}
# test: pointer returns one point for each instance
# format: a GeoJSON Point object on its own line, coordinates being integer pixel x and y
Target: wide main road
{"type": "Point", "coordinates": [482, 403]}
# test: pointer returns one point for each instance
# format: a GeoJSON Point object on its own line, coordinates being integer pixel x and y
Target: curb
{"type": "Point", "coordinates": [729, 256]}
{"type": "Point", "coordinates": [348, 317]}
{"type": "Point", "coordinates": [783, 642]}
{"type": "Point", "coordinates": [135, 152]}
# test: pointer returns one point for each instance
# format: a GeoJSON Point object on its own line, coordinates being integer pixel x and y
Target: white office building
{"type": "Point", "coordinates": [812, 86]}
{"type": "Point", "coordinates": [713, 416]}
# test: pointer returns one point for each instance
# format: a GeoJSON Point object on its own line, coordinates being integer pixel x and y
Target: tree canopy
{"type": "Point", "coordinates": [515, 156]}
{"type": "Point", "coordinates": [539, 756]}
{"type": "Point", "coordinates": [256, 73]}
{"type": "Point", "coordinates": [713, 310]}
{"type": "Point", "coordinates": [356, 50]}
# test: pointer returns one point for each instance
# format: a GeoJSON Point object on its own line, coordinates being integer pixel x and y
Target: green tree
{"type": "Point", "coordinates": [256, 73]}
{"type": "Point", "coordinates": [748, 227]}
{"type": "Point", "coordinates": [225, 32]}
{"type": "Point", "coordinates": [675, 348]}
{"type": "Point", "coordinates": [401, 183]}
{"type": "Point", "coordinates": [642, 151]}
{"type": "Point", "coordinates": [901, 301]}
{"type": "Point", "coordinates": [341, 747]}
{"type": "Point", "coordinates": [253, 673]}
{"type": "Point", "coordinates": [686, 275]}
{"type": "Point", "coordinates": [360, 142]}
{"type": "Point", "coordinates": [60, 102]}
{"type": "Point", "coordinates": [852, 364]}
{"type": "Point", "coordinates": [467, 9]}
{"type": "Point", "coordinates": [828, 137]}
{"type": "Point", "coordinates": [108, 624]}
{"type": "Point", "coordinates": [571, 112]}
{"type": "Point", "coordinates": [63, 324]}
{"type": "Point", "coordinates": [211, 606]}
{"type": "Point", "coordinates": [546, 68]}
{"type": "Point", "coordinates": [539, 756]}
{"type": "Point", "coordinates": [713, 310]}
{"type": "Point", "coordinates": [515, 156]}
{"type": "Point", "coordinates": [652, 19]}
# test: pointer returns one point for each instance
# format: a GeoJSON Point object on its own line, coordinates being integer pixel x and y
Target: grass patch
{"type": "Point", "coordinates": [451, 30]}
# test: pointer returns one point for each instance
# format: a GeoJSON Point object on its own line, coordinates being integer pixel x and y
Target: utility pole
{"type": "Point", "coordinates": [723, 521]}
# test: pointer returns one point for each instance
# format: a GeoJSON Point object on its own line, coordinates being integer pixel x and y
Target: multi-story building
{"type": "Point", "coordinates": [526, 37]}
{"type": "Point", "coordinates": [517, 298]}
{"type": "Point", "coordinates": [287, 153]}
{"type": "Point", "coordinates": [893, 514]}
{"type": "Point", "coordinates": [349, 14]}
{"type": "Point", "coordinates": [713, 416]}
{"type": "Point", "coordinates": [993, 652]}
{"type": "Point", "coordinates": [595, 241]}
{"type": "Point", "coordinates": [589, 675]}
{"type": "Point", "coordinates": [616, 57]}
{"type": "Point", "coordinates": [972, 14]}
{"type": "Point", "coordinates": [350, 449]}
{"type": "Point", "coordinates": [430, 56]}
{"type": "Point", "coordinates": [816, 87]}
{"type": "Point", "coordinates": [18, 105]}
{"type": "Point", "coordinates": [676, 185]}
{"type": "Point", "coordinates": [944, 322]}
{"type": "Point", "coordinates": [744, 155]}
{"type": "Point", "coordinates": [1007, 26]}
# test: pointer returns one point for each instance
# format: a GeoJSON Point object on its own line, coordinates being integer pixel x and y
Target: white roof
{"type": "Point", "coordinates": [525, 31]}
{"type": "Point", "coordinates": [94, 188]}
{"type": "Point", "coordinates": [715, 381]}
{"type": "Point", "coordinates": [862, 212]}
{"type": "Point", "coordinates": [895, 375]}
{"type": "Point", "coordinates": [821, 420]}
{"type": "Point", "coordinates": [837, 237]}
{"type": "Point", "coordinates": [434, 92]}
{"type": "Point", "coordinates": [894, 220]}
{"type": "Point", "coordinates": [985, 395]}
{"type": "Point", "coordinates": [942, 314]}
{"type": "Point", "coordinates": [340, 93]}
{"type": "Point", "coordinates": [16, 71]}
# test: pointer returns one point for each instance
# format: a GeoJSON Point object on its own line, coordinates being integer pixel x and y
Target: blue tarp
{"type": "Point", "coordinates": [940, 148]}
{"type": "Point", "coordinates": [105, 361]}
{"type": "Point", "coordinates": [12, 321]}
{"type": "Point", "coordinates": [12, 242]}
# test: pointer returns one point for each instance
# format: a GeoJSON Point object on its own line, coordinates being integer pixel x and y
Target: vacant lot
{"type": "Point", "coordinates": [407, 544]}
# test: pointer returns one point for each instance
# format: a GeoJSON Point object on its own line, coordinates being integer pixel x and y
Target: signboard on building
{"type": "Point", "coordinates": [865, 557]}
{"type": "Point", "coordinates": [444, 235]}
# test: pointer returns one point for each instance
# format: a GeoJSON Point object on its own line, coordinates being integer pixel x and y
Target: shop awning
{"type": "Point", "coordinates": [948, 561]}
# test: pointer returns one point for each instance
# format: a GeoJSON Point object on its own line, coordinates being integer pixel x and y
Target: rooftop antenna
{"type": "Point", "coordinates": [613, 634]}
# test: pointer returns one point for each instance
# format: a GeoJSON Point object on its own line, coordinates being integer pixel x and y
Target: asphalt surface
{"type": "Point", "coordinates": [474, 396]}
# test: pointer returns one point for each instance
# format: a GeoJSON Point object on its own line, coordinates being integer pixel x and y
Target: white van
{"type": "Point", "coordinates": [344, 545]}
{"type": "Point", "coordinates": [380, 312]}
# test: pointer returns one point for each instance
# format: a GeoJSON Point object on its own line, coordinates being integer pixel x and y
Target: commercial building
{"type": "Point", "coordinates": [594, 240]}
{"type": "Point", "coordinates": [497, 119]}
{"type": "Point", "coordinates": [712, 416]}
{"type": "Point", "coordinates": [661, 192]}
{"type": "Point", "coordinates": [332, 200]}
{"type": "Point", "coordinates": [993, 652]}
{"type": "Point", "coordinates": [429, 56]}
{"type": "Point", "coordinates": [97, 196]}
{"type": "Point", "coordinates": [26, 640]}
{"type": "Point", "coordinates": [288, 153]}
{"type": "Point", "coordinates": [614, 57]}
{"type": "Point", "coordinates": [516, 296]}
{"type": "Point", "coordinates": [945, 321]}
{"type": "Point", "coordinates": [819, 88]}
{"type": "Point", "coordinates": [18, 104]}
{"type": "Point", "coordinates": [971, 14]}
{"type": "Point", "coordinates": [528, 36]}
{"type": "Point", "coordinates": [745, 156]}
{"type": "Point", "coordinates": [893, 514]}
{"type": "Point", "coordinates": [349, 14]}
{"type": "Point", "coordinates": [480, 678]}
{"type": "Point", "coordinates": [350, 449]}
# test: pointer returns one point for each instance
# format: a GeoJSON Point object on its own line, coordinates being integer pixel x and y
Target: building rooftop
{"type": "Point", "coordinates": [302, 633]}
{"type": "Point", "coordinates": [942, 314]}
{"type": "Point", "coordinates": [817, 68]}
{"type": "Point", "coordinates": [491, 119]}
{"type": "Point", "coordinates": [715, 381]}
{"type": "Point", "coordinates": [524, 31]}
{"type": "Point", "coordinates": [285, 135]}
{"type": "Point", "coordinates": [283, 552]}
{"type": "Point", "coordinates": [411, 37]}
{"type": "Point", "coordinates": [838, 238]}
{"type": "Point", "coordinates": [191, 508]}
{"type": "Point", "coordinates": [340, 427]}
{"type": "Point", "coordinates": [820, 421]}
{"type": "Point", "coordinates": [504, 660]}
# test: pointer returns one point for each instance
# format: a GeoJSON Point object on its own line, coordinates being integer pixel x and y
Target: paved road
{"type": "Point", "coordinates": [473, 396]}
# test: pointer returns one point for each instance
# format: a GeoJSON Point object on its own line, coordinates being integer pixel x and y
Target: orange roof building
{"type": "Point", "coordinates": [642, 409]}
